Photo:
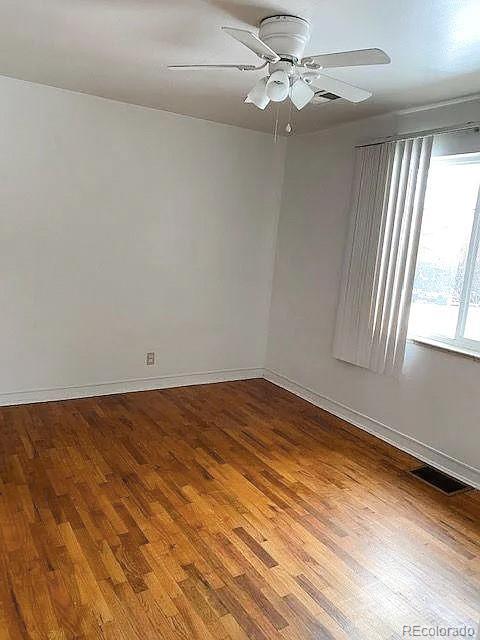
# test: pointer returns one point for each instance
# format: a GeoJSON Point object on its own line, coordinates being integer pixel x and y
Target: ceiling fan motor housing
{"type": "Point", "coordinates": [286, 35]}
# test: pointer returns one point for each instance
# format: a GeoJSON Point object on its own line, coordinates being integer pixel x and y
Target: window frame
{"type": "Point", "coordinates": [460, 342]}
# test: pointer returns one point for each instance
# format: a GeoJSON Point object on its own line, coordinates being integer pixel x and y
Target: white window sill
{"type": "Point", "coordinates": [442, 346]}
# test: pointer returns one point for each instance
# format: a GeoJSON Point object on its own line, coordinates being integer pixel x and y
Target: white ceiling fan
{"type": "Point", "coordinates": [280, 44]}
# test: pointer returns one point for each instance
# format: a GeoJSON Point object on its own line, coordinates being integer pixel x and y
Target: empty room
{"type": "Point", "coordinates": [239, 319]}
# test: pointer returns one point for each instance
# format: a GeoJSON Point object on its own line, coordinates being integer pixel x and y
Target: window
{"type": "Point", "coordinates": [446, 292]}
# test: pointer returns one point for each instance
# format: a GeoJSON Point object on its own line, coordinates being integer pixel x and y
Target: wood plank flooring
{"type": "Point", "coordinates": [228, 511]}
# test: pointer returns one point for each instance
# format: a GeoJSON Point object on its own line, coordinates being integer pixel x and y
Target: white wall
{"type": "Point", "coordinates": [126, 230]}
{"type": "Point", "coordinates": [436, 400]}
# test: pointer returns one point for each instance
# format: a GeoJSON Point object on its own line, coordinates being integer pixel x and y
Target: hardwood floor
{"type": "Point", "coordinates": [232, 510]}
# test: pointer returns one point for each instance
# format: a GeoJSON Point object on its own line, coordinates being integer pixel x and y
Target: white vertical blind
{"type": "Point", "coordinates": [387, 205]}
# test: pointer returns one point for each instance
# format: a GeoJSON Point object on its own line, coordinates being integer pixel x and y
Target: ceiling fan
{"type": "Point", "coordinates": [280, 44]}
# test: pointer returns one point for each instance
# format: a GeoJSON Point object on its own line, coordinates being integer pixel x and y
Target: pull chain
{"type": "Point", "coordinates": [275, 125]}
{"type": "Point", "coordinates": [288, 128]}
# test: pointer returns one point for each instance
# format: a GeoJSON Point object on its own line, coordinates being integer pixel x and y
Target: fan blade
{"type": "Point", "coordinates": [342, 89]}
{"type": "Point", "coordinates": [301, 93]}
{"type": "Point", "coordinates": [348, 58]}
{"type": "Point", "coordinates": [187, 67]}
{"type": "Point", "coordinates": [253, 42]}
{"type": "Point", "coordinates": [258, 95]}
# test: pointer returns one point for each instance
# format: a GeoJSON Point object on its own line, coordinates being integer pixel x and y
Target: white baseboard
{"type": "Point", "coordinates": [125, 386]}
{"type": "Point", "coordinates": [410, 445]}
{"type": "Point", "coordinates": [427, 454]}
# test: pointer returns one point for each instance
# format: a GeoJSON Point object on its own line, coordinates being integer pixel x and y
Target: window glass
{"type": "Point", "coordinates": [472, 326]}
{"type": "Point", "coordinates": [448, 217]}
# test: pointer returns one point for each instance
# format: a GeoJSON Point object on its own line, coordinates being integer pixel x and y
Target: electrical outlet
{"type": "Point", "coordinates": [150, 359]}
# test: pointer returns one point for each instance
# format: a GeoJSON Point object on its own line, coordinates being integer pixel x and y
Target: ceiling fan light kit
{"type": "Point", "coordinates": [280, 44]}
{"type": "Point", "coordinates": [258, 95]}
{"type": "Point", "coordinates": [301, 93]}
{"type": "Point", "coordinates": [278, 86]}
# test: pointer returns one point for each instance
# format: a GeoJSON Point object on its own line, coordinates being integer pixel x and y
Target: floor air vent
{"type": "Point", "coordinates": [440, 480]}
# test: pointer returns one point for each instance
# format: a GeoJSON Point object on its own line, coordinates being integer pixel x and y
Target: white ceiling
{"type": "Point", "coordinates": [119, 48]}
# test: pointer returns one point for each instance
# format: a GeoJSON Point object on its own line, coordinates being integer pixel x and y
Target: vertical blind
{"type": "Point", "coordinates": [387, 205]}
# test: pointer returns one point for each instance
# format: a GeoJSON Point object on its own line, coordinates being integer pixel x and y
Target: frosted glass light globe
{"type": "Point", "coordinates": [278, 86]}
